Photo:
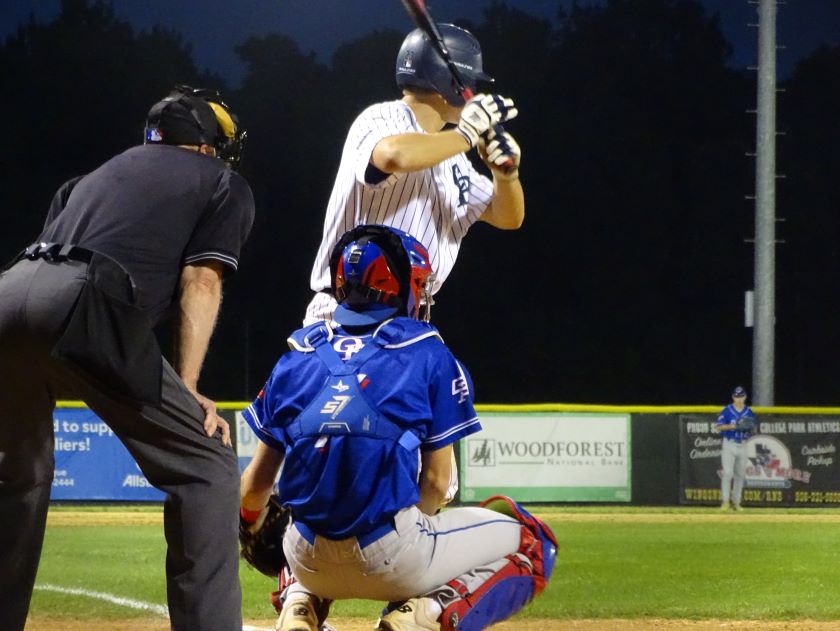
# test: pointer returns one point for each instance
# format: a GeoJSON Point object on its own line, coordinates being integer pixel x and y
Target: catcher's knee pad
{"type": "Point", "coordinates": [509, 588]}
{"type": "Point", "coordinates": [538, 542]}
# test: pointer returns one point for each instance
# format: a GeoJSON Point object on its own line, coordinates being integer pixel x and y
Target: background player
{"type": "Point", "coordinates": [148, 233]}
{"type": "Point", "coordinates": [401, 166]}
{"type": "Point", "coordinates": [347, 412]}
{"type": "Point", "coordinates": [736, 424]}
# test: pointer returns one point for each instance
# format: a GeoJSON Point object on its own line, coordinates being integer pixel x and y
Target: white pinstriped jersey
{"type": "Point", "coordinates": [436, 205]}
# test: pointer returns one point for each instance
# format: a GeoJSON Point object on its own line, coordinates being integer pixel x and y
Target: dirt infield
{"type": "Point", "coordinates": [355, 624]}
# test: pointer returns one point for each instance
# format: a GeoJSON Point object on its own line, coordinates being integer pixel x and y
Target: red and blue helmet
{"type": "Point", "coordinates": [379, 272]}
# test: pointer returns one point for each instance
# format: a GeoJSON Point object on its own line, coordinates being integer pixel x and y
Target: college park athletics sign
{"type": "Point", "coordinates": [792, 461]}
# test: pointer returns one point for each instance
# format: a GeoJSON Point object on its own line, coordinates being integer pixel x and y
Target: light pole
{"type": "Point", "coordinates": [763, 365]}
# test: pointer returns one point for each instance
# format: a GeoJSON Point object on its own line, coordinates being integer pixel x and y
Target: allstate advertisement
{"type": "Point", "coordinates": [92, 464]}
{"type": "Point", "coordinates": [246, 441]}
{"type": "Point", "coordinates": [553, 457]}
{"type": "Point", "coordinates": [791, 461]}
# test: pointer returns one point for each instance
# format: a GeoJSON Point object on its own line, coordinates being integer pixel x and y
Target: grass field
{"type": "Point", "coordinates": [613, 563]}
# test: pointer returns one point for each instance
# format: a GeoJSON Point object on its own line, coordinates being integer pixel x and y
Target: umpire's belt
{"type": "Point", "coordinates": [364, 540]}
{"type": "Point", "coordinates": [56, 252]}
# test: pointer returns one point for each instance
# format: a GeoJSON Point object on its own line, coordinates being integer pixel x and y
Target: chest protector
{"type": "Point", "coordinates": [348, 468]}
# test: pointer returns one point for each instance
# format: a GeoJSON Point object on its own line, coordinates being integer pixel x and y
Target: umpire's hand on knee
{"type": "Point", "coordinates": [212, 421]}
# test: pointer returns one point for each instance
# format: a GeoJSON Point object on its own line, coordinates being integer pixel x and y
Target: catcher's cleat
{"type": "Point", "coordinates": [415, 614]}
{"type": "Point", "coordinates": [297, 615]}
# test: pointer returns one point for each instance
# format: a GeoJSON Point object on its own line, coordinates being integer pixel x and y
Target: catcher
{"type": "Point", "coordinates": [351, 413]}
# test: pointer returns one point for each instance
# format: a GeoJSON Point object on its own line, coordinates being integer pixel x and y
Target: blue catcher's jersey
{"type": "Point", "coordinates": [730, 415]}
{"type": "Point", "coordinates": [352, 413]}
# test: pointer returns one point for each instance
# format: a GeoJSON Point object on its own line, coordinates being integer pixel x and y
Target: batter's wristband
{"type": "Point", "coordinates": [249, 516]}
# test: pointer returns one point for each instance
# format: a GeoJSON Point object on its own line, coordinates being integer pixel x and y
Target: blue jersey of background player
{"type": "Point", "coordinates": [731, 414]}
{"type": "Point", "coordinates": [362, 416]}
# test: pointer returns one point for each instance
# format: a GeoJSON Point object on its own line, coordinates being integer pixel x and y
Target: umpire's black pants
{"type": "Point", "coordinates": [198, 474]}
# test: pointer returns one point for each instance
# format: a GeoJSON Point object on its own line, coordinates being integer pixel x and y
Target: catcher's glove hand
{"type": "Point", "coordinates": [262, 541]}
{"type": "Point", "coordinates": [746, 425]}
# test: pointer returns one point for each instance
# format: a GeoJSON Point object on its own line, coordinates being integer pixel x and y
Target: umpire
{"type": "Point", "coordinates": [147, 235]}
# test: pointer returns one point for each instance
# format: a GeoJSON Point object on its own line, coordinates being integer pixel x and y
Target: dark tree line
{"type": "Point", "coordinates": [625, 284]}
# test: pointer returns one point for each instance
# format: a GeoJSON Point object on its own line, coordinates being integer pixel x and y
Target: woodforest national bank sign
{"type": "Point", "coordinates": [548, 458]}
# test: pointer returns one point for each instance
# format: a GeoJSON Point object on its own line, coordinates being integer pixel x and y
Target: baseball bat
{"type": "Point", "coordinates": [422, 18]}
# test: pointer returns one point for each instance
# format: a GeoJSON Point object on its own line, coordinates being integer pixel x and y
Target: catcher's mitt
{"type": "Point", "coordinates": [746, 425]}
{"type": "Point", "coordinates": [262, 542]}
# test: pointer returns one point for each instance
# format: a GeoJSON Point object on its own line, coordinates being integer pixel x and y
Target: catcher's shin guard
{"type": "Point", "coordinates": [497, 591]}
{"type": "Point", "coordinates": [507, 590]}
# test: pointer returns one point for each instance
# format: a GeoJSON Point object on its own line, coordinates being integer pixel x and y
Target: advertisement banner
{"type": "Point", "coordinates": [791, 461]}
{"type": "Point", "coordinates": [92, 464]}
{"type": "Point", "coordinates": [246, 440]}
{"type": "Point", "coordinates": [553, 457]}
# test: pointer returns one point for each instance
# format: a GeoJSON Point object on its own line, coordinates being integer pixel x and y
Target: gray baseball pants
{"type": "Point", "coordinates": [733, 459]}
{"type": "Point", "coordinates": [198, 474]}
{"type": "Point", "coordinates": [422, 554]}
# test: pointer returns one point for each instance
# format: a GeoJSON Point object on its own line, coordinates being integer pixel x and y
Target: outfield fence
{"type": "Point", "coordinates": [642, 455]}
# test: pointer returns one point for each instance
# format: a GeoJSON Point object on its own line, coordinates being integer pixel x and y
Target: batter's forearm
{"type": "Point", "coordinates": [406, 153]}
{"type": "Point", "coordinates": [507, 208]}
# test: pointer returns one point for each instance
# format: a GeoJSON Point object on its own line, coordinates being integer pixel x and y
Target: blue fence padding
{"type": "Point", "coordinates": [92, 464]}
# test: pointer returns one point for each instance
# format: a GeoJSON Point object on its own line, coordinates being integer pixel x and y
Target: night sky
{"type": "Point", "coordinates": [214, 27]}
{"type": "Point", "coordinates": [625, 285]}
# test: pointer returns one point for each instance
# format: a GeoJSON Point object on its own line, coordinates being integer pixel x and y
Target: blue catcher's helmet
{"type": "Point", "coordinates": [419, 65]}
{"type": "Point", "coordinates": [379, 272]}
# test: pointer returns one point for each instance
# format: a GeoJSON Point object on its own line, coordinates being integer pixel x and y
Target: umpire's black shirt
{"type": "Point", "coordinates": [153, 209]}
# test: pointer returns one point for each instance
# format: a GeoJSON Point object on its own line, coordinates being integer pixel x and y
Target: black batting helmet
{"type": "Point", "coordinates": [419, 65]}
{"type": "Point", "coordinates": [194, 116]}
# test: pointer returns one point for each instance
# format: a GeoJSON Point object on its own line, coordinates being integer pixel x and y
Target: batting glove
{"type": "Point", "coordinates": [501, 153]}
{"type": "Point", "coordinates": [481, 113]}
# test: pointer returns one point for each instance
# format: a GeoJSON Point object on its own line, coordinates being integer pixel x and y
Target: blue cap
{"type": "Point", "coordinates": [739, 392]}
{"type": "Point", "coordinates": [365, 315]}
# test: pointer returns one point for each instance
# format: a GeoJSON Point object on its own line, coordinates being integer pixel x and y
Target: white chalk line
{"type": "Point", "coordinates": [160, 610]}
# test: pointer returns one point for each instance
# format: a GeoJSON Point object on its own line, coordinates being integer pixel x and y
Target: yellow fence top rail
{"type": "Point", "coordinates": [575, 407]}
